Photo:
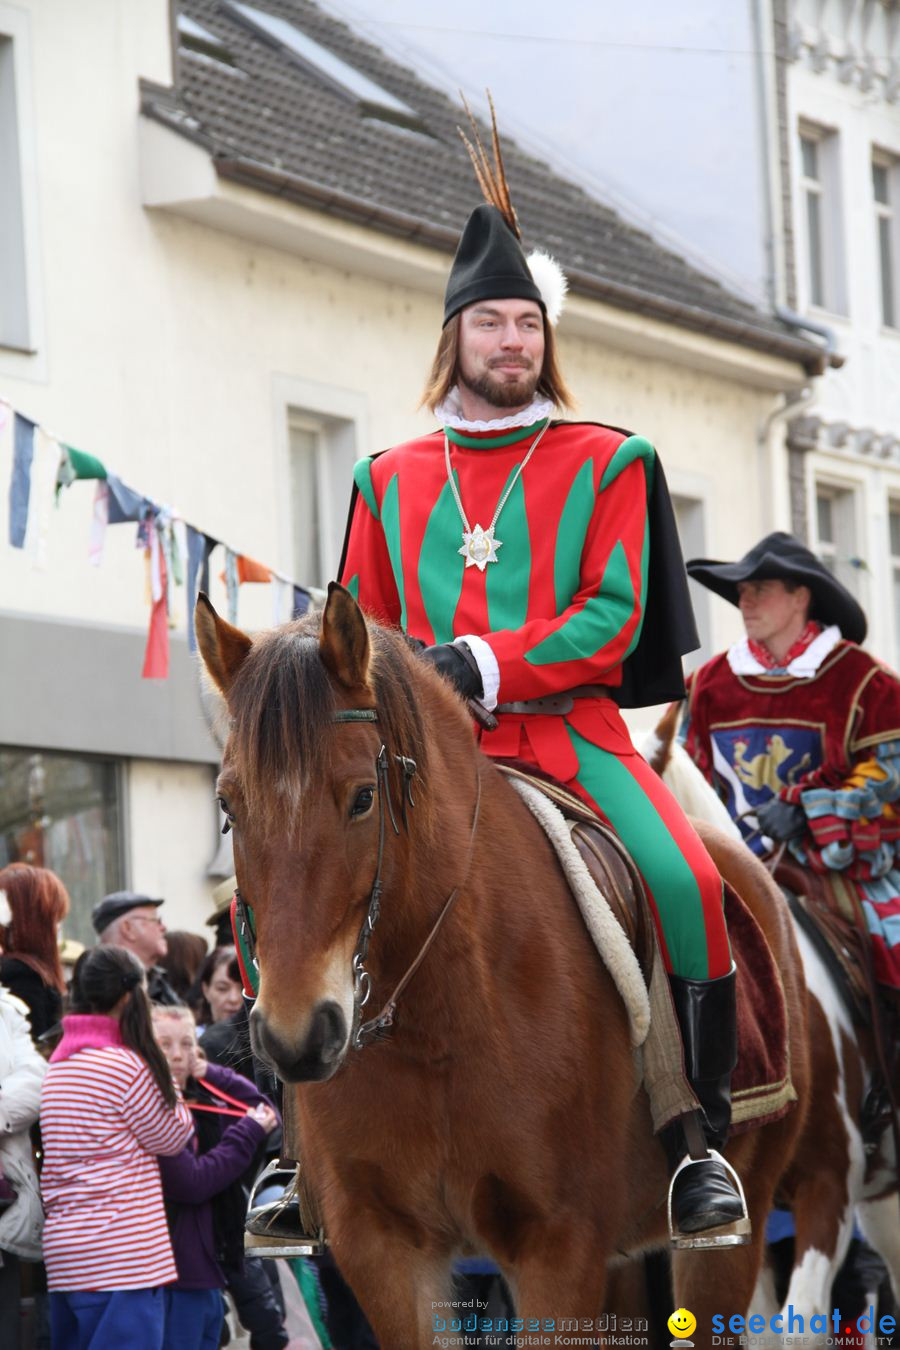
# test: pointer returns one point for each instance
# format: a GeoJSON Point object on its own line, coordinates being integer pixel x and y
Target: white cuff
{"type": "Point", "coordinates": [488, 668]}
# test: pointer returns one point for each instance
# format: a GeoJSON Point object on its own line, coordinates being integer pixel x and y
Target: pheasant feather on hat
{"type": "Point", "coordinates": [490, 263]}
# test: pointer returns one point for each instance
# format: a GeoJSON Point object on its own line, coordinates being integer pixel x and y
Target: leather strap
{"type": "Point", "coordinates": [555, 704]}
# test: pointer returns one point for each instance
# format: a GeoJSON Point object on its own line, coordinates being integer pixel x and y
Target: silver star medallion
{"type": "Point", "coordinates": [479, 547]}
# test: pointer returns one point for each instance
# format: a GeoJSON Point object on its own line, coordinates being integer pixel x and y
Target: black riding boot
{"type": "Point", "coordinates": [704, 1195]}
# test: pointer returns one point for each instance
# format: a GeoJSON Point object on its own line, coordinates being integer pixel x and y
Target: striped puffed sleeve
{"type": "Point", "coordinates": [366, 570]}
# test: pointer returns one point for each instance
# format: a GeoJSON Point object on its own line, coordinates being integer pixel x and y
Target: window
{"type": "Point", "coordinates": [836, 533]}
{"type": "Point", "coordinates": [820, 212]}
{"type": "Point", "coordinates": [310, 568]}
{"type": "Point", "coordinates": [883, 193]}
{"type": "Point", "coordinates": [63, 812]}
{"type": "Point", "coordinates": [14, 324]}
{"type": "Point", "coordinates": [203, 45]}
{"type": "Point", "coordinates": [894, 521]}
{"type": "Point", "coordinates": [374, 100]}
{"type": "Point", "coordinates": [322, 452]}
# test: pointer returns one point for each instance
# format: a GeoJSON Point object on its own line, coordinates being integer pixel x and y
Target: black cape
{"type": "Point", "coordinates": [652, 673]}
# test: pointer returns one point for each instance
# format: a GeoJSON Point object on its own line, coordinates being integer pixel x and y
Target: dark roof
{"type": "Point", "coordinates": [283, 126]}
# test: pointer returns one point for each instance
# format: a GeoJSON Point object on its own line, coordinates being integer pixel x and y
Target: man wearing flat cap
{"type": "Point", "coordinates": [131, 920]}
{"type": "Point", "coordinates": [798, 729]}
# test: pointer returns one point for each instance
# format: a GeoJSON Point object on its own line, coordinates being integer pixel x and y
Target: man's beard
{"type": "Point", "coordinates": [503, 394]}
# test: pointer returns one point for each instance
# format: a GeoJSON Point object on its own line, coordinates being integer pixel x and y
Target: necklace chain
{"type": "Point", "coordinates": [503, 499]}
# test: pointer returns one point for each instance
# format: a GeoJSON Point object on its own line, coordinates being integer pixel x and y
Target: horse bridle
{"type": "Point", "coordinates": [244, 924]}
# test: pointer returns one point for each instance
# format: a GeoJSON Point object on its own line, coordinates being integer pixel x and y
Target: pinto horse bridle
{"type": "Point", "coordinates": [244, 925]}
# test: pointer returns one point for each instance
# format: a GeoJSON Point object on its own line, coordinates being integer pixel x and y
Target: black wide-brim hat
{"type": "Point", "coordinates": [489, 265]}
{"type": "Point", "coordinates": [781, 557]}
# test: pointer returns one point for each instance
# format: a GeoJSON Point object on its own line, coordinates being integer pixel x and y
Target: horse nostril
{"type": "Point", "coordinates": [316, 1057]}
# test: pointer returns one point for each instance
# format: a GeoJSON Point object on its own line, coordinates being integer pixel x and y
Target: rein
{"type": "Point", "coordinates": [244, 925]}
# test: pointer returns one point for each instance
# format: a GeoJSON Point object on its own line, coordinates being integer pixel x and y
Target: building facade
{"type": "Point", "coordinates": [227, 324]}
{"type": "Point", "coordinates": [842, 123]}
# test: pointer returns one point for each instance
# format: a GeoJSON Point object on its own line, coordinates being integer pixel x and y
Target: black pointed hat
{"type": "Point", "coordinates": [781, 557]}
{"type": "Point", "coordinates": [489, 265]}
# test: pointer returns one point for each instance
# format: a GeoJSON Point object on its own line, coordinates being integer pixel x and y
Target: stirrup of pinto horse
{"type": "Point", "coordinates": [257, 1241]}
{"type": "Point", "coordinates": [735, 1234]}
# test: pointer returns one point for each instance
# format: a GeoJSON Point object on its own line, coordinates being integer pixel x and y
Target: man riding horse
{"type": "Point", "coordinates": [537, 561]}
{"type": "Point", "coordinates": [798, 729]}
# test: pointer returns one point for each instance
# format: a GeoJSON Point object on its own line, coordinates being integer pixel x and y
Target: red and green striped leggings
{"type": "Point", "coordinates": [683, 886]}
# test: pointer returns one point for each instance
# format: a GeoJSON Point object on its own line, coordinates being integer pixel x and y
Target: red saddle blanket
{"type": "Point", "coordinates": [761, 1088]}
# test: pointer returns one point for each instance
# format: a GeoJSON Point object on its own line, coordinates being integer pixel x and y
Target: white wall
{"type": "Point", "coordinates": [172, 822]}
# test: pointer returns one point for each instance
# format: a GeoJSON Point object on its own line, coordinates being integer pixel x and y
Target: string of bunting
{"type": "Point", "coordinates": [176, 553]}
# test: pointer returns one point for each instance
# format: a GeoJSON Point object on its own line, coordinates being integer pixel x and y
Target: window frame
{"type": "Point", "coordinates": [342, 415]}
{"type": "Point", "coordinates": [893, 562]}
{"type": "Point", "coordinates": [23, 352]}
{"type": "Point", "coordinates": [887, 212]}
{"type": "Point", "coordinates": [118, 768]}
{"type": "Point", "coordinates": [827, 189]}
{"type": "Point", "coordinates": [849, 495]}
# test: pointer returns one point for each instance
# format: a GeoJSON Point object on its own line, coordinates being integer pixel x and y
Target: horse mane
{"type": "Point", "coordinates": [282, 704]}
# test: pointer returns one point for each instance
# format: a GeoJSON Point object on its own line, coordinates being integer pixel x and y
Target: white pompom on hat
{"type": "Point", "coordinates": [550, 280]}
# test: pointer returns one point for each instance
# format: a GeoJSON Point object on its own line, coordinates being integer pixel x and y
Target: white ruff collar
{"type": "Point", "coordinates": [449, 414]}
{"type": "Point", "coordinates": [743, 662]}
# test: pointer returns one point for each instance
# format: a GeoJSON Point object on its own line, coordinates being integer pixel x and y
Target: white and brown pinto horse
{"type": "Point", "coordinates": [830, 1182]}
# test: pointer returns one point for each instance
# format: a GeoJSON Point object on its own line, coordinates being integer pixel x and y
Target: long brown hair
{"type": "Point", "coordinates": [38, 903]}
{"type": "Point", "coordinates": [444, 369]}
{"type": "Point", "coordinates": [102, 975]}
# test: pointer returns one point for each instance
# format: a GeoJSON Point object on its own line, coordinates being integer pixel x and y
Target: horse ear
{"type": "Point", "coordinates": [344, 639]}
{"type": "Point", "coordinates": [222, 646]}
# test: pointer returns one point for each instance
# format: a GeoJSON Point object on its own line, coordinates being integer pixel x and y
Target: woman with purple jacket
{"type": "Point", "coordinates": [198, 1185]}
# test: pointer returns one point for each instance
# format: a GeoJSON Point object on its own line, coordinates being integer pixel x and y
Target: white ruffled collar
{"type": "Point", "coordinates": [743, 662]}
{"type": "Point", "coordinates": [449, 414]}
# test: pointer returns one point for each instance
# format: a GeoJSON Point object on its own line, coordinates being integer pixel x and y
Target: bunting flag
{"type": "Point", "coordinates": [230, 577]}
{"type": "Point", "coordinates": [75, 464]}
{"type": "Point", "coordinates": [99, 522]}
{"type": "Point", "coordinates": [125, 504]}
{"type": "Point", "coordinates": [156, 655]}
{"type": "Point", "coordinates": [282, 599]}
{"type": "Point", "coordinates": [174, 551]}
{"type": "Point", "coordinates": [41, 498]}
{"type": "Point", "coordinates": [20, 483]}
{"type": "Point", "coordinates": [249, 570]}
{"type": "Point", "coordinates": [199, 547]}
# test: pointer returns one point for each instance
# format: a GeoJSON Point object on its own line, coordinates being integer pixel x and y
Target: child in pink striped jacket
{"type": "Point", "coordinates": [108, 1108]}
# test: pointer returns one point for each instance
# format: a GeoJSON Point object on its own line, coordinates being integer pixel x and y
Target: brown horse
{"type": "Point", "coordinates": [503, 1114]}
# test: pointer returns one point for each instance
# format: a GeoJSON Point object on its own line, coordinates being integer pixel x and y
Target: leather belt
{"type": "Point", "coordinates": [555, 704]}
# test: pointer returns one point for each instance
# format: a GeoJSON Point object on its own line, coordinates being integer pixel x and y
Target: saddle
{"type": "Point", "coordinates": [606, 858]}
{"type": "Point", "coordinates": [761, 1086]}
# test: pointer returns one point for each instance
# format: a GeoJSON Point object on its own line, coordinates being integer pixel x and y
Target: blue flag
{"type": "Point", "coordinates": [20, 482]}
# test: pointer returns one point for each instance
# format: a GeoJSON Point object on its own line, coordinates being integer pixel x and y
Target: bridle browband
{"type": "Point", "coordinates": [244, 924]}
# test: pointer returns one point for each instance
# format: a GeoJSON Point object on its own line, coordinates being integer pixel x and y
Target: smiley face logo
{"type": "Point", "coordinates": [682, 1324]}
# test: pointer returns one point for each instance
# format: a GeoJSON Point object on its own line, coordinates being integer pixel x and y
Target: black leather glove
{"type": "Point", "coordinates": [457, 664]}
{"type": "Point", "coordinates": [780, 820]}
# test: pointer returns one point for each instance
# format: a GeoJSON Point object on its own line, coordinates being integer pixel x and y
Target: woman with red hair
{"type": "Point", "coordinates": [33, 903]}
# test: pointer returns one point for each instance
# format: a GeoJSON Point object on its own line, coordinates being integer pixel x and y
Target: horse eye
{"type": "Point", "coordinates": [229, 818]}
{"type": "Point", "coordinates": [362, 802]}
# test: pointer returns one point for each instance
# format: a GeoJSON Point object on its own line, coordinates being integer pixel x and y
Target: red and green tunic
{"type": "Point", "coordinates": [562, 607]}
{"type": "Point", "coordinates": [829, 742]}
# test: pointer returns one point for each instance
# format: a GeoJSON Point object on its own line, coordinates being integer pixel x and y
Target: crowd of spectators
{"type": "Point", "coordinates": [133, 1122]}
